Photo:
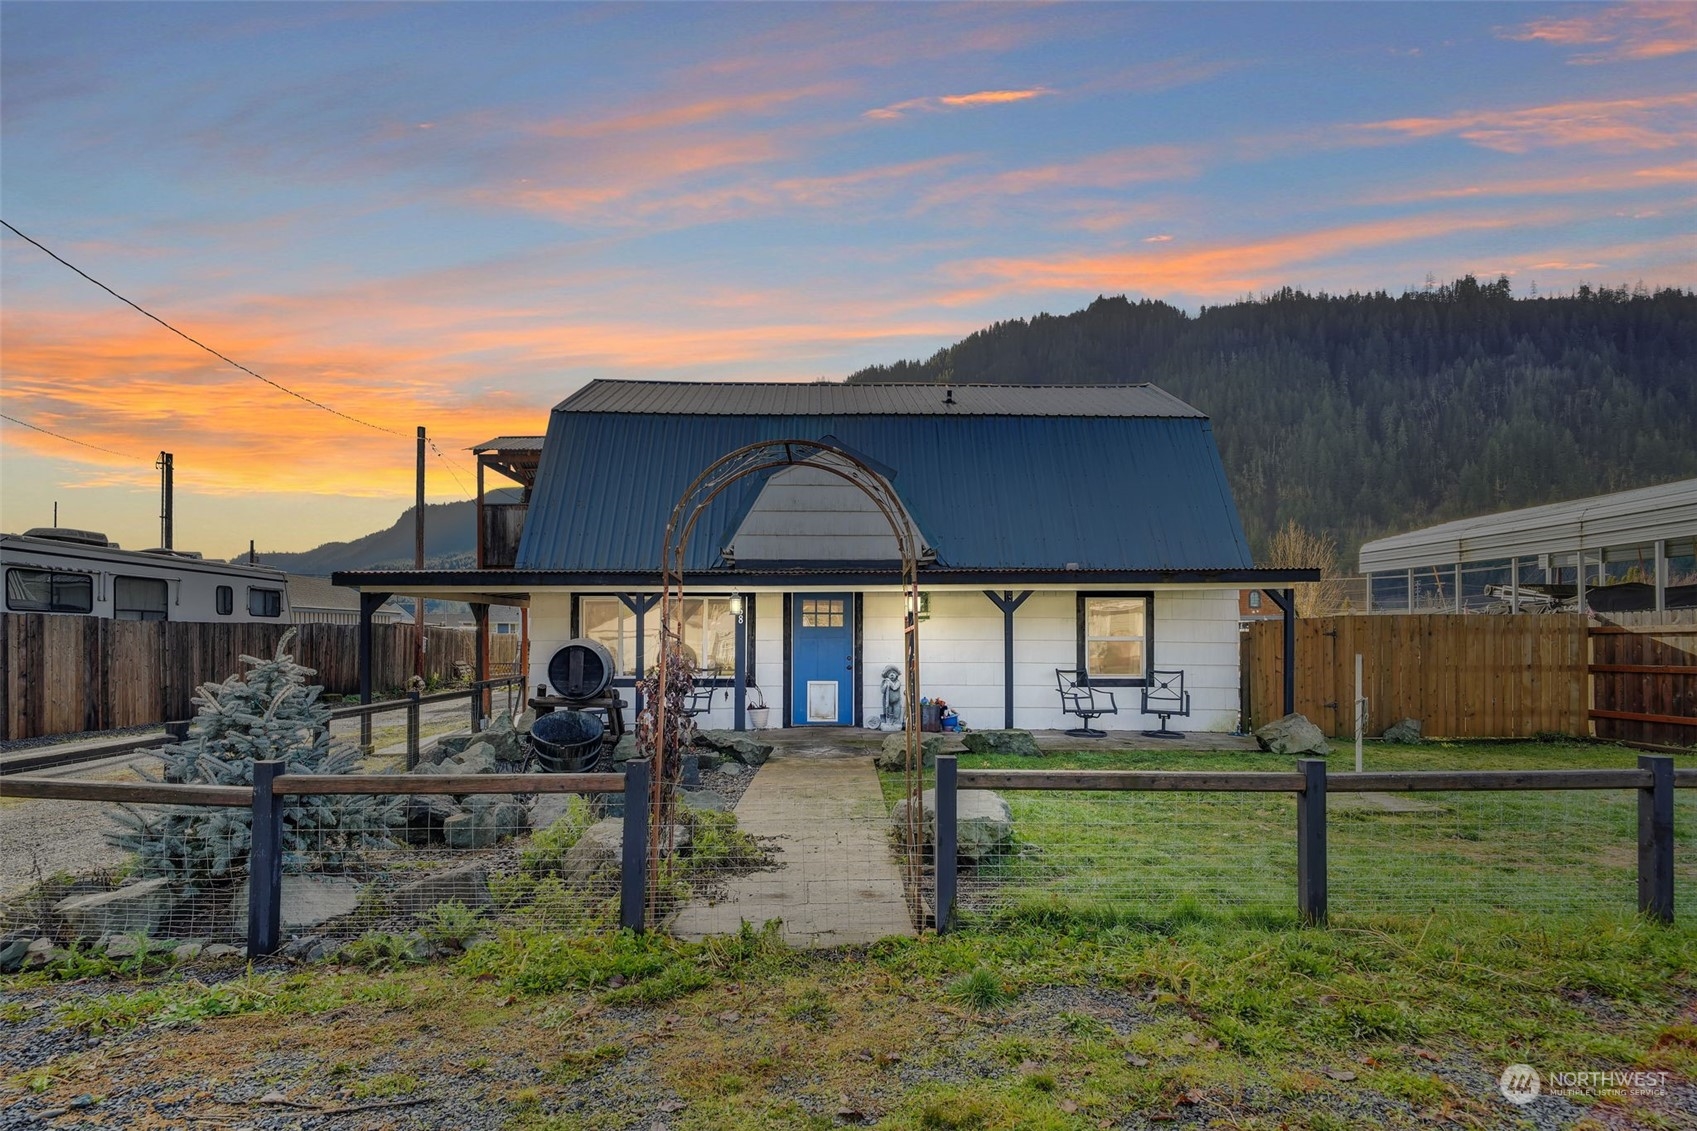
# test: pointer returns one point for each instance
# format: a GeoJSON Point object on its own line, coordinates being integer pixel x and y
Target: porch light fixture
{"type": "Point", "coordinates": [736, 606]}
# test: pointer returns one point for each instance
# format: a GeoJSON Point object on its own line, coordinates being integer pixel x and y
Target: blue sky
{"type": "Point", "coordinates": [454, 215]}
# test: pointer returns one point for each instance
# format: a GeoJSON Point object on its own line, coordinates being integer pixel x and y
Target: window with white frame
{"type": "Point", "coordinates": [709, 631]}
{"type": "Point", "coordinates": [1114, 636]}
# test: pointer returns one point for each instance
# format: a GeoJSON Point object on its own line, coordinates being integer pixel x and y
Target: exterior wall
{"type": "Point", "coordinates": [961, 655]}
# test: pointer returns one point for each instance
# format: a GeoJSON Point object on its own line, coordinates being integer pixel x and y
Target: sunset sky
{"type": "Point", "coordinates": [455, 215]}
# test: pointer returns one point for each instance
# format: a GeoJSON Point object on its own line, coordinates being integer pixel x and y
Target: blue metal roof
{"type": "Point", "coordinates": [1091, 491]}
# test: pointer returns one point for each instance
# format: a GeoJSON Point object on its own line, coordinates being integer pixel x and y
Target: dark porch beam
{"type": "Point", "coordinates": [369, 603]}
{"type": "Point", "coordinates": [1007, 601]}
{"type": "Point", "coordinates": [1285, 599]}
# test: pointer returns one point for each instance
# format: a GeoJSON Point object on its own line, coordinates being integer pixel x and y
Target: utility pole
{"type": "Point", "coordinates": [418, 557]}
{"type": "Point", "coordinates": [166, 490]}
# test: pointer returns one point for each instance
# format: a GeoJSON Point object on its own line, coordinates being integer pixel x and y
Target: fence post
{"type": "Point", "coordinates": [946, 849]}
{"type": "Point", "coordinates": [1311, 842]}
{"type": "Point", "coordinates": [366, 746]}
{"type": "Point", "coordinates": [476, 708]}
{"type": "Point", "coordinates": [412, 729]}
{"type": "Point", "coordinates": [265, 864]}
{"type": "Point", "coordinates": [633, 866]}
{"type": "Point", "coordinates": [1655, 839]}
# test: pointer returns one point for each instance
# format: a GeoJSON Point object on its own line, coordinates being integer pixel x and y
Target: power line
{"type": "Point", "coordinates": [449, 464]}
{"type": "Point", "coordinates": [59, 436]}
{"type": "Point", "coordinates": [194, 341]}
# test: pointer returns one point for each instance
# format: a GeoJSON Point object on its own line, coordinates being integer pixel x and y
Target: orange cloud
{"type": "Point", "coordinates": [1217, 269]}
{"type": "Point", "coordinates": [1621, 125]}
{"type": "Point", "coordinates": [690, 112]}
{"type": "Point", "coordinates": [954, 102]}
{"type": "Point", "coordinates": [1613, 181]}
{"type": "Point", "coordinates": [1623, 32]}
{"type": "Point", "coordinates": [1113, 169]}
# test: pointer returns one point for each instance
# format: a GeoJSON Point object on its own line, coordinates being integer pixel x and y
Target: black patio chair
{"type": "Point", "coordinates": [699, 699]}
{"type": "Point", "coordinates": [1164, 695]}
{"type": "Point", "coordinates": [1079, 698]}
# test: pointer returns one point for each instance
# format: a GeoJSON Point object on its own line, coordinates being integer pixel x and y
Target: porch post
{"type": "Point", "coordinates": [741, 693]}
{"type": "Point", "coordinates": [480, 619]}
{"type": "Point", "coordinates": [1007, 602]}
{"type": "Point", "coordinates": [369, 603]}
{"type": "Point", "coordinates": [1285, 599]}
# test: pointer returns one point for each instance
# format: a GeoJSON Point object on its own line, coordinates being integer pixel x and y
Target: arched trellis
{"type": "Point", "coordinates": [728, 469]}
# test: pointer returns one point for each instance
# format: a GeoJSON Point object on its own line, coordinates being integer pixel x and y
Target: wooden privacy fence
{"type": "Point", "coordinates": [1482, 676]}
{"type": "Point", "coordinates": [63, 674]}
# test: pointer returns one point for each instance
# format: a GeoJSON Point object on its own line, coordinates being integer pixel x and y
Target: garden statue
{"type": "Point", "coordinates": [891, 693]}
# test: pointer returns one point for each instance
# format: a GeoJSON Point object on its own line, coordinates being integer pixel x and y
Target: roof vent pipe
{"type": "Point", "coordinates": [949, 397]}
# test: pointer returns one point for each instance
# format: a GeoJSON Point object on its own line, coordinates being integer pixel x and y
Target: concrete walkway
{"type": "Point", "coordinates": [836, 882]}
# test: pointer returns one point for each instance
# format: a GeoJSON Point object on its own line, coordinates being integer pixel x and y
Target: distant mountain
{"type": "Point", "coordinates": [450, 542]}
{"type": "Point", "coordinates": [1364, 415]}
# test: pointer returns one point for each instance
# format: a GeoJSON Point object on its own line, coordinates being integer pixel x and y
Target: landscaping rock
{"type": "Point", "coordinates": [704, 799]}
{"type": "Point", "coordinates": [547, 808]}
{"type": "Point", "coordinates": [733, 769]}
{"type": "Point", "coordinates": [187, 952]}
{"type": "Point", "coordinates": [124, 946]}
{"type": "Point", "coordinates": [12, 952]}
{"type": "Point", "coordinates": [307, 901]}
{"type": "Point", "coordinates": [745, 750]}
{"type": "Point", "coordinates": [1017, 742]}
{"type": "Point", "coordinates": [893, 754]}
{"type": "Point", "coordinates": [983, 821]}
{"type": "Point", "coordinates": [689, 775]}
{"type": "Point", "coordinates": [484, 821]}
{"type": "Point", "coordinates": [525, 721]}
{"type": "Point", "coordinates": [468, 884]}
{"type": "Point", "coordinates": [478, 758]}
{"type": "Point", "coordinates": [1406, 732]}
{"type": "Point", "coordinates": [425, 815]}
{"type": "Point", "coordinates": [503, 737]}
{"type": "Point", "coordinates": [597, 852]}
{"type": "Point", "coordinates": [142, 907]}
{"type": "Point", "coordinates": [222, 950]}
{"type": "Point", "coordinates": [708, 760]}
{"type": "Point", "coordinates": [450, 744]}
{"type": "Point", "coordinates": [1293, 734]}
{"type": "Point", "coordinates": [625, 749]}
{"type": "Point", "coordinates": [308, 949]}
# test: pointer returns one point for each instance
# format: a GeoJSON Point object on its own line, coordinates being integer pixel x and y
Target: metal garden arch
{"type": "Point", "coordinates": [728, 469]}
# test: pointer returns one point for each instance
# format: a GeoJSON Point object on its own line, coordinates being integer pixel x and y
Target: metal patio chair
{"type": "Point", "coordinates": [1164, 695]}
{"type": "Point", "coordinates": [1079, 698]}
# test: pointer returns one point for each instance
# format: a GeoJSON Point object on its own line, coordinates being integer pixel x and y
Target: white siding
{"type": "Point", "coordinates": [806, 514]}
{"type": "Point", "coordinates": [960, 654]}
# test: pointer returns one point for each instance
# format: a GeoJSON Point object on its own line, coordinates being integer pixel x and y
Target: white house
{"type": "Point", "coordinates": [1063, 528]}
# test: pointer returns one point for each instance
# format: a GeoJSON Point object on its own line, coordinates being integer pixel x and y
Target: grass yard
{"type": "Point", "coordinates": [1156, 857]}
{"type": "Point", "coordinates": [1059, 1025]}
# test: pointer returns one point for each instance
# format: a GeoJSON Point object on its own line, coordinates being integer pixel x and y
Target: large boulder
{"type": "Point", "coordinates": [467, 884]}
{"type": "Point", "coordinates": [983, 822]}
{"type": "Point", "coordinates": [704, 799]}
{"type": "Point", "coordinates": [1018, 742]}
{"type": "Point", "coordinates": [625, 749]}
{"type": "Point", "coordinates": [893, 754]}
{"type": "Point", "coordinates": [478, 758]}
{"type": "Point", "coordinates": [308, 900]}
{"type": "Point", "coordinates": [525, 721]}
{"type": "Point", "coordinates": [1293, 734]}
{"type": "Point", "coordinates": [450, 744]}
{"type": "Point", "coordinates": [136, 908]}
{"type": "Point", "coordinates": [503, 737]}
{"type": "Point", "coordinates": [485, 820]}
{"type": "Point", "coordinates": [1406, 732]}
{"type": "Point", "coordinates": [596, 853]}
{"type": "Point", "coordinates": [426, 813]}
{"type": "Point", "coordinates": [744, 749]}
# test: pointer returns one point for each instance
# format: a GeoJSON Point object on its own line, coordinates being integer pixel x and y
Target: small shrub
{"type": "Point", "coordinates": [547, 849]}
{"type": "Point", "coordinates": [980, 989]}
{"type": "Point", "coordinates": [451, 925]}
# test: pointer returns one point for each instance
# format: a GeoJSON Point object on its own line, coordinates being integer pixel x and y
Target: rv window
{"type": "Point", "coordinates": [139, 598]}
{"type": "Point", "coordinates": [226, 600]}
{"type": "Point", "coordinates": [265, 602]}
{"type": "Point", "coordinates": [42, 591]}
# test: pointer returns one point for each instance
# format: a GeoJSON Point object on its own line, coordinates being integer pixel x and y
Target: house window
{"type": "Point", "coordinates": [139, 598]}
{"type": "Point", "coordinates": [709, 631]}
{"type": "Point", "coordinates": [822, 613]}
{"type": "Point", "coordinates": [226, 600]}
{"type": "Point", "coordinates": [265, 602]}
{"type": "Point", "coordinates": [1114, 636]}
{"type": "Point", "coordinates": [43, 591]}
{"type": "Point", "coordinates": [1255, 600]}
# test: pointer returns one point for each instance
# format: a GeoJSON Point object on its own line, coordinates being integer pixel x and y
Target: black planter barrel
{"type": "Point", "coordinates": [566, 742]}
{"type": "Point", "coordinates": [581, 670]}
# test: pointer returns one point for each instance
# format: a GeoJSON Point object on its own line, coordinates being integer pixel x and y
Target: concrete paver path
{"type": "Point", "coordinates": [836, 881]}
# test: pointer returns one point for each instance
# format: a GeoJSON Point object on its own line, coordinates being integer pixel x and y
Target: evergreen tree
{"type": "Point", "coordinates": [270, 713]}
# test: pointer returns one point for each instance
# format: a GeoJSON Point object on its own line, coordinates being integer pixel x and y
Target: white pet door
{"type": "Point", "coordinates": [821, 700]}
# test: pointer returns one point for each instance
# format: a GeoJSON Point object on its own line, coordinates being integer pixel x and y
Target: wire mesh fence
{"type": "Point", "coordinates": [1149, 856]}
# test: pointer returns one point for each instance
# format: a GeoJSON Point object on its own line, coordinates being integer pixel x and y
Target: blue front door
{"type": "Point", "coordinates": [822, 659]}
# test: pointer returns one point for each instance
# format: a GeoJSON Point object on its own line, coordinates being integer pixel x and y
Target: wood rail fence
{"type": "Point", "coordinates": [1483, 676]}
{"type": "Point", "coordinates": [64, 674]}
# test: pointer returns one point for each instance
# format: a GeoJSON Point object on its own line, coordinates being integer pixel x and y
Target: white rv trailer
{"type": "Point", "coordinates": [80, 573]}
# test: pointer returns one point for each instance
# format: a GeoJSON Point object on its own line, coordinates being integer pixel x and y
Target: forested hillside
{"type": "Point", "coordinates": [1362, 415]}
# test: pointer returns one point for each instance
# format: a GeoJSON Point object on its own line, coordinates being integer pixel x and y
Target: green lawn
{"type": "Point", "coordinates": [1154, 856]}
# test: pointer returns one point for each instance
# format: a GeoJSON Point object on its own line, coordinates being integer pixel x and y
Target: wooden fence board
{"type": "Point", "coordinates": [1461, 676]}
{"type": "Point", "coordinates": [64, 674]}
